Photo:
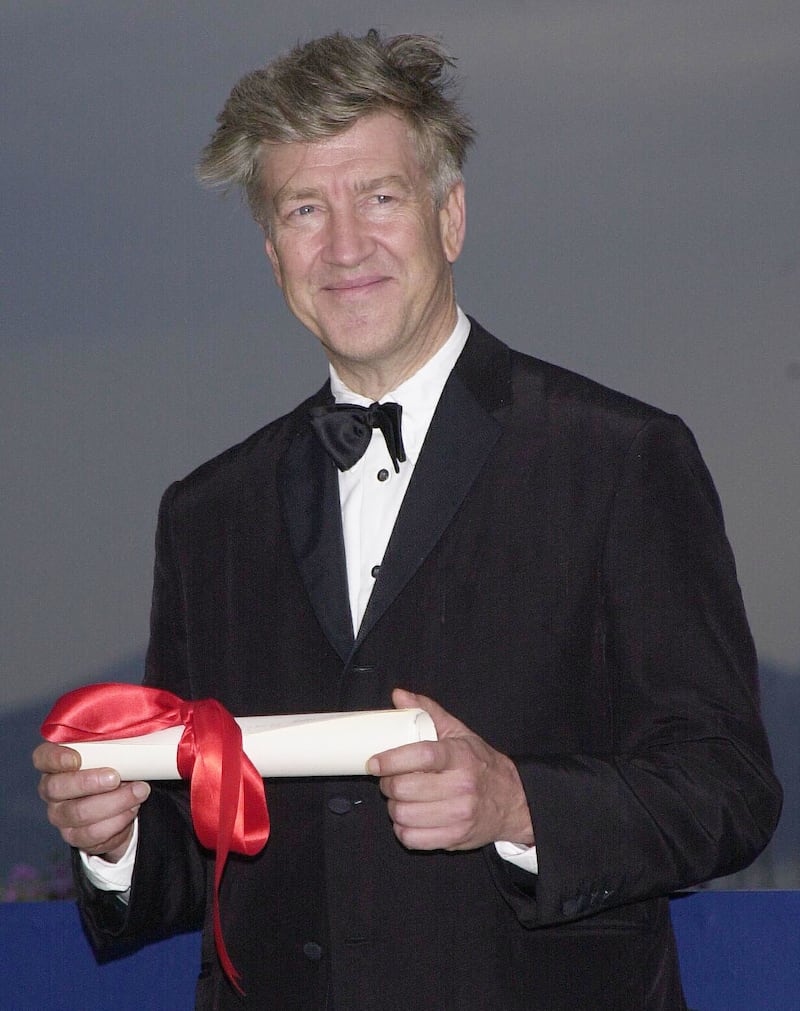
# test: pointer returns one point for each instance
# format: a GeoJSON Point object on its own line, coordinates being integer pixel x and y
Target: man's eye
{"type": "Point", "coordinates": [304, 211]}
{"type": "Point", "coordinates": [383, 198]}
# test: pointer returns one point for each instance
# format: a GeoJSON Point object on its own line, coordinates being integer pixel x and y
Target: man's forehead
{"type": "Point", "coordinates": [376, 147]}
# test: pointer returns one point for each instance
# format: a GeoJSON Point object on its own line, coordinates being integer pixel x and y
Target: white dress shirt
{"type": "Point", "coordinates": [370, 492]}
{"type": "Point", "coordinates": [370, 496]}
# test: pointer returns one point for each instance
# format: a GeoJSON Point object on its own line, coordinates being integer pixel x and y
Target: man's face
{"type": "Point", "coordinates": [358, 249]}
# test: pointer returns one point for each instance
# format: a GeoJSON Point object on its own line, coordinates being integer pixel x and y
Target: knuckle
{"type": "Point", "coordinates": [88, 783]}
{"type": "Point", "coordinates": [466, 808]}
{"type": "Point", "coordinates": [430, 752]}
{"type": "Point", "coordinates": [77, 810]}
{"type": "Point", "coordinates": [56, 786]}
{"type": "Point", "coordinates": [400, 789]}
{"type": "Point", "coordinates": [95, 836]}
{"type": "Point", "coordinates": [53, 815]}
{"type": "Point", "coordinates": [84, 811]}
{"type": "Point", "coordinates": [68, 835]}
{"type": "Point", "coordinates": [466, 783]}
{"type": "Point", "coordinates": [60, 814]}
{"type": "Point", "coordinates": [93, 842]}
{"type": "Point", "coordinates": [42, 757]}
{"type": "Point", "coordinates": [403, 836]}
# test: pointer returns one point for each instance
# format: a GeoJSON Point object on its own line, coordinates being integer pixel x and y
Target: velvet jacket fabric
{"type": "Point", "coordinates": [559, 579]}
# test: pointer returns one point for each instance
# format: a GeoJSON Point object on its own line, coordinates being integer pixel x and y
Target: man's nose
{"type": "Point", "coordinates": [348, 239]}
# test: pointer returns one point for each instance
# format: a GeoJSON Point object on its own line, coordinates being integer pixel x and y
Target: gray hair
{"type": "Point", "coordinates": [319, 89]}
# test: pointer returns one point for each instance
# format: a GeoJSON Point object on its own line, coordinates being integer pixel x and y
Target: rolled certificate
{"type": "Point", "coordinates": [313, 744]}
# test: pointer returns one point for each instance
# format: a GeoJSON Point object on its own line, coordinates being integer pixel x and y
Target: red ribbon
{"type": "Point", "coordinates": [229, 808]}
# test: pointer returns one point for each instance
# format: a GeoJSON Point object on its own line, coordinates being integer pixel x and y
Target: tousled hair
{"type": "Point", "coordinates": [319, 89]}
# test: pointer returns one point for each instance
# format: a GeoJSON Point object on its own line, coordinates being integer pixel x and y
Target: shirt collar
{"type": "Point", "coordinates": [420, 393]}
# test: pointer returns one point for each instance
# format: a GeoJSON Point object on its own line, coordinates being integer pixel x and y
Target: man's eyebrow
{"type": "Point", "coordinates": [380, 182]}
{"type": "Point", "coordinates": [288, 195]}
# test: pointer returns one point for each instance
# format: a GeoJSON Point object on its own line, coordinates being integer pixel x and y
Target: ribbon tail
{"type": "Point", "coordinates": [228, 967]}
{"type": "Point", "coordinates": [230, 779]}
{"type": "Point", "coordinates": [215, 789]}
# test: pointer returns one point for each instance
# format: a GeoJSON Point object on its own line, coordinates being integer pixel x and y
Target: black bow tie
{"type": "Point", "coordinates": [345, 431]}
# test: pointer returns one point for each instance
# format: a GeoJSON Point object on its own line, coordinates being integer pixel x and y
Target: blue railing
{"type": "Point", "coordinates": [740, 951]}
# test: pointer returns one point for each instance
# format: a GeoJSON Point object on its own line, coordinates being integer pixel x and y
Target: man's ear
{"type": "Point", "coordinates": [453, 222]}
{"type": "Point", "coordinates": [276, 263]}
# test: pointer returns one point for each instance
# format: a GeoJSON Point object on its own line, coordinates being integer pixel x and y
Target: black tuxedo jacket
{"type": "Point", "coordinates": [559, 579]}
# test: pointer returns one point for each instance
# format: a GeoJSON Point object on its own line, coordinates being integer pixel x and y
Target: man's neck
{"type": "Point", "coordinates": [374, 380]}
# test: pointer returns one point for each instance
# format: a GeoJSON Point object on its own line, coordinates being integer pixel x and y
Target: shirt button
{"type": "Point", "coordinates": [312, 950]}
{"type": "Point", "coordinates": [383, 474]}
{"type": "Point", "coordinates": [374, 571]}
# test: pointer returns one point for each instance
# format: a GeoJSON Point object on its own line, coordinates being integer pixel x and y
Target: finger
{"type": "Point", "coordinates": [86, 782]}
{"type": "Point", "coordinates": [80, 812]}
{"type": "Point", "coordinates": [50, 757]}
{"type": "Point", "coordinates": [423, 756]}
{"type": "Point", "coordinates": [424, 788]}
{"type": "Point", "coordinates": [404, 699]}
{"type": "Point", "coordinates": [447, 813]}
{"type": "Point", "coordinates": [440, 838]}
{"type": "Point", "coordinates": [101, 838]}
{"type": "Point", "coordinates": [446, 724]}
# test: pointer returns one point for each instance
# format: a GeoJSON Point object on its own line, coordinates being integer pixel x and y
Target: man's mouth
{"type": "Point", "coordinates": [355, 285]}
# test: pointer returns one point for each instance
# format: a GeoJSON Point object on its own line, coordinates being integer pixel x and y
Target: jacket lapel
{"type": "Point", "coordinates": [464, 429]}
{"type": "Point", "coordinates": [309, 492]}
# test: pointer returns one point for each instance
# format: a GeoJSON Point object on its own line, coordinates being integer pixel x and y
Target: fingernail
{"type": "Point", "coordinates": [374, 767]}
{"type": "Point", "coordinates": [108, 778]}
{"type": "Point", "coordinates": [141, 791]}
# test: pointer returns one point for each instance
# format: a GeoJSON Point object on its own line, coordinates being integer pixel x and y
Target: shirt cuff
{"type": "Point", "coordinates": [110, 877]}
{"type": "Point", "coordinates": [521, 856]}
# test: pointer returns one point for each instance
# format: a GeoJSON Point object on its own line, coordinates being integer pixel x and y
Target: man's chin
{"type": "Point", "coordinates": [361, 338]}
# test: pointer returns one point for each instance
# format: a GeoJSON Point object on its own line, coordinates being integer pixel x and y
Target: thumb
{"type": "Point", "coordinates": [446, 724]}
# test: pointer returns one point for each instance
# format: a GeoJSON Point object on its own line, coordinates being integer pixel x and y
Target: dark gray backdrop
{"type": "Point", "coordinates": [633, 214]}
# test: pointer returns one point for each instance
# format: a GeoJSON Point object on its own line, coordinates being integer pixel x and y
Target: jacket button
{"type": "Point", "coordinates": [340, 805]}
{"type": "Point", "coordinates": [312, 950]}
{"type": "Point", "coordinates": [574, 906]}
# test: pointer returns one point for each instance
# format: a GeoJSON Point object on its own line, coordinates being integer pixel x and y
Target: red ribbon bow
{"type": "Point", "coordinates": [229, 808]}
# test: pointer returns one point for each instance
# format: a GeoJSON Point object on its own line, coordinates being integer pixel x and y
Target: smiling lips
{"type": "Point", "coordinates": [354, 286]}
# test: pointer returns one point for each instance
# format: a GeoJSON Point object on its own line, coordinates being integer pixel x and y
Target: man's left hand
{"type": "Point", "coordinates": [456, 793]}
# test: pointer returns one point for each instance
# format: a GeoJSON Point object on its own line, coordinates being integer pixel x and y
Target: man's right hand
{"type": "Point", "coordinates": [91, 808]}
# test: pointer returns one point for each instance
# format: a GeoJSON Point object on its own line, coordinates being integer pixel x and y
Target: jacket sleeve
{"type": "Point", "coordinates": [688, 792]}
{"type": "Point", "coordinates": [168, 890]}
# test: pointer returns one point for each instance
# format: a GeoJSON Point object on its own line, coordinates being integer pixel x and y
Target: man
{"type": "Point", "coordinates": [537, 561]}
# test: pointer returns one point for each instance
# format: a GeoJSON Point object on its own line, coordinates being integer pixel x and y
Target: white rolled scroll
{"type": "Point", "coordinates": [312, 744]}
